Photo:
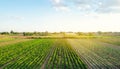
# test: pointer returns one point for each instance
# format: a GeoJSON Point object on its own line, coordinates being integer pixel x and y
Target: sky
{"type": "Point", "coordinates": [60, 15]}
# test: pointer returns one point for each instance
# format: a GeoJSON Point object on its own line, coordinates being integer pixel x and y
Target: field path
{"type": "Point", "coordinates": [48, 56]}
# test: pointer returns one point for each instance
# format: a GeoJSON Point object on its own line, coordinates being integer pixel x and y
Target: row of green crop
{"type": "Point", "coordinates": [10, 52]}
{"type": "Point", "coordinates": [27, 55]}
{"type": "Point", "coordinates": [64, 57]}
{"type": "Point", "coordinates": [97, 55]}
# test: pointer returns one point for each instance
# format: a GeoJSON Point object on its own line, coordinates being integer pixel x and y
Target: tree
{"type": "Point", "coordinates": [11, 32]}
{"type": "Point", "coordinates": [4, 33]}
{"type": "Point", "coordinates": [23, 33]}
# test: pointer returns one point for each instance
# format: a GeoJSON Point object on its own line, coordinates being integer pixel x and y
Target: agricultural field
{"type": "Point", "coordinates": [82, 53]}
{"type": "Point", "coordinates": [98, 53]}
{"type": "Point", "coordinates": [64, 57]}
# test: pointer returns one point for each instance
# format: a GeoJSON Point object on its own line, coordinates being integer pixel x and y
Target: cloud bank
{"type": "Point", "coordinates": [98, 6]}
{"type": "Point", "coordinates": [60, 5]}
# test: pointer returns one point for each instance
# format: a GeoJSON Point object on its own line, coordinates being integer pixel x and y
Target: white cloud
{"type": "Point", "coordinates": [56, 1]}
{"type": "Point", "coordinates": [62, 8]}
{"type": "Point", "coordinates": [102, 6]}
{"type": "Point", "coordinates": [98, 6]}
{"type": "Point", "coordinates": [83, 7]}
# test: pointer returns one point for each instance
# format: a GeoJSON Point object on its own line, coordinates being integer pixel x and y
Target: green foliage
{"type": "Point", "coordinates": [30, 54]}
{"type": "Point", "coordinates": [95, 53]}
{"type": "Point", "coordinates": [4, 33]}
{"type": "Point", "coordinates": [64, 57]}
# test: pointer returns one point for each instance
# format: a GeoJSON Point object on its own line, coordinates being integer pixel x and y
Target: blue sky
{"type": "Point", "coordinates": [59, 15]}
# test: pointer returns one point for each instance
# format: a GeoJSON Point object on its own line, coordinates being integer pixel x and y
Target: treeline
{"type": "Point", "coordinates": [25, 33]}
{"type": "Point", "coordinates": [99, 33]}
{"type": "Point", "coordinates": [46, 33]}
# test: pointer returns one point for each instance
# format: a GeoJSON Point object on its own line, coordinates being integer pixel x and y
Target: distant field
{"type": "Point", "coordinates": [67, 53]}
